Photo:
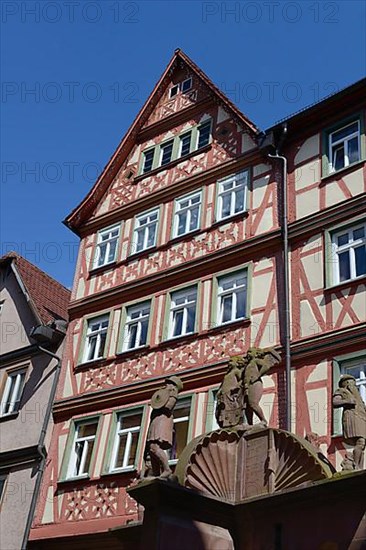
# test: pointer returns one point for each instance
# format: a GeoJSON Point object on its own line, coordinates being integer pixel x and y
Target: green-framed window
{"type": "Point", "coordinates": [231, 299]}
{"type": "Point", "coordinates": [232, 194]}
{"type": "Point", "coordinates": [182, 312]}
{"type": "Point", "coordinates": [107, 246]}
{"type": "Point", "coordinates": [345, 253]}
{"type": "Point", "coordinates": [145, 231]}
{"type": "Point", "coordinates": [80, 448]}
{"type": "Point", "coordinates": [188, 141]}
{"type": "Point", "coordinates": [135, 325]}
{"type": "Point", "coordinates": [95, 341]}
{"type": "Point", "coordinates": [187, 214]}
{"type": "Point", "coordinates": [354, 364]}
{"type": "Point", "coordinates": [343, 144]}
{"type": "Point", "coordinates": [211, 423]}
{"type": "Point", "coordinates": [182, 434]}
{"type": "Point", "coordinates": [125, 445]}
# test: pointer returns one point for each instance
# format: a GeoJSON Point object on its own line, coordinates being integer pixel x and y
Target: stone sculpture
{"type": "Point", "coordinates": [353, 417]}
{"type": "Point", "coordinates": [242, 387]}
{"type": "Point", "coordinates": [160, 433]}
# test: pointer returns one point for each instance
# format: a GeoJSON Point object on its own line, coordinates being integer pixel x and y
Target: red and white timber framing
{"type": "Point", "coordinates": [326, 322]}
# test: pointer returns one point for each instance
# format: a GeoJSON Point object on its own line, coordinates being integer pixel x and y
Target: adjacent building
{"type": "Point", "coordinates": [203, 237]}
{"type": "Point", "coordinates": [33, 319]}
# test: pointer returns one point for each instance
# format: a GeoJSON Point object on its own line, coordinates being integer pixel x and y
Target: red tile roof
{"type": "Point", "coordinates": [50, 298]}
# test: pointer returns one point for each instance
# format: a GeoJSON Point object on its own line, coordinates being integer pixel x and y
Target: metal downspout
{"type": "Point", "coordinates": [283, 159]}
{"type": "Point", "coordinates": [40, 447]}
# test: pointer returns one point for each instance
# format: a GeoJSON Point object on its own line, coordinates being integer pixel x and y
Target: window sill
{"type": "Point", "coordinates": [172, 163]}
{"type": "Point", "coordinates": [133, 352]}
{"type": "Point", "coordinates": [179, 339]}
{"type": "Point", "coordinates": [141, 253]}
{"type": "Point", "coordinates": [93, 363]}
{"type": "Point", "coordinates": [346, 284]}
{"type": "Point", "coordinates": [132, 470]}
{"type": "Point", "coordinates": [230, 219]}
{"type": "Point", "coordinates": [73, 479]}
{"type": "Point", "coordinates": [343, 171]}
{"type": "Point", "coordinates": [102, 268]}
{"type": "Point", "coordinates": [185, 236]}
{"type": "Point", "coordinates": [230, 325]}
{"type": "Point", "coordinates": [10, 416]}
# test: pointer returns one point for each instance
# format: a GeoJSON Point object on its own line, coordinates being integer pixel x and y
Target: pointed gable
{"type": "Point", "coordinates": [163, 109]}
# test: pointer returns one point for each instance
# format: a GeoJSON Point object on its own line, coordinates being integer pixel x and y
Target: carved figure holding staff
{"type": "Point", "coordinates": [160, 433]}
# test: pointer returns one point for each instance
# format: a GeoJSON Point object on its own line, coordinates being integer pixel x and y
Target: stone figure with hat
{"type": "Point", "coordinates": [353, 417]}
{"type": "Point", "coordinates": [160, 433]}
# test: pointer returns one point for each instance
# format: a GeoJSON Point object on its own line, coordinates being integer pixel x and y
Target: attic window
{"type": "Point", "coordinates": [174, 90]}
{"type": "Point", "coordinates": [186, 85]}
{"type": "Point", "coordinates": [183, 87]}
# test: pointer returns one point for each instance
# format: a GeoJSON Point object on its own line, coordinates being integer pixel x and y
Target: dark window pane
{"type": "Point", "coordinates": [167, 153]}
{"type": "Point", "coordinates": [151, 235]}
{"type": "Point", "coordinates": [131, 421]}
{"type": "Point", "coordinates": [182, 221]}
{"type": "Point", "coordinates": [186, 85]}
{"type": "Point", "coordinates": [86, 430]}
{"type": "Point", "coordinates": [144, 326]}
{"type": "Point", "coordinates": [226, 205]}
{"type": "Point", "coordinates": [191, 318]}
{"type": "Point", "coordinates": [121, 451]}
{"type": "Point", "coordinates": [353, 153]}
{"type": "Point", "coordinates": [132, 336]}
{"type": "Point", "coordinates": [204, 134]}
{"type": "Point", "coordinates": [92, 345]}
{"type": "Point", "coordinates": [112, 250]}
{"type": "Point", "coordinates": [342, 239]}
{"type": "Point", "coordinates": [359, 233]}
{"type": "Point", "coordinates": [241, 304]}
{"type": "Point", "coordinates": [227, 302]}
{"type": "Point", "coordinates": [344, 132]}
{"type": "Point", "coordinates": [103, 339]}
{"type": "Point", "coordinates": [185, 144]}
{"type": "Point", "coordinates": [239, 200]}
{"type": "Point", "coordinates": [338, 158]}
{"type": "Point", "coordinates": [177, 323]}
{"type": "Point", "coordinates": [148, 160]}
{"type": "Point", "coordinates": [102, 254]}
{"type": "Point", "coordinates": [360, 255]}
{"type": "Point", "coordinates": [194, 219]}
{"type": "Point", "coordinates": [133, 448]}
{"type": "Point", "coordinates": [344, 266]}
{"type": "Point", "coordinates": [181, 436]}
{"type": "Point", "coordinates": [88, 455]}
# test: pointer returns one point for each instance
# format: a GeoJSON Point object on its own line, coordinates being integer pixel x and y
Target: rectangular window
{"type": "Point", "coordinates": [187, 214]}
{"type": "Point", "coordinates": [185, 144]}
{"type": "Point", "coordinates": [136, 327]}
{"type": "Point", "coordinates": [357, 368]}
{"type": "Point", "coordinates": [166, 151]}
{"type": "Point", "coordinates": [204, 133]}
{"type": "Point", "coordinates": [349, 253]}
{"type": "Point", "coordinates": [232, 297]}
{"type": "Point", "coordinates": [145, 230]}
{"type": "Point", "coordinates": [344, 146]}
{"type": "Point", "coordinates": [181, 415]}
{"type": "Point", "coordinates": [96, 338]}
{"type": "Point", "coordinates": [182, 312]}
{"type": "Point", "coordinates": [126, 440]}
{"type": "Point", "coordinates": [186, 85]}
{"type": "Point", "coordinates": [148, 160]}
{"type": "Point", "coordinates": [13, 392]}
{"type": "Point", "coordinates": [82, 449]}
{"type": "Point", "coordinates": [106, 249]}
{"type": "Point", "coordinates": [232, 195]}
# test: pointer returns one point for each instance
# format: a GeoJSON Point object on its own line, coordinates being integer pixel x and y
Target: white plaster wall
{"type": "Point", "coordinates": [309, 149]}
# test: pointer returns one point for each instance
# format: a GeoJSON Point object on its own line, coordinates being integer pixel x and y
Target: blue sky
{"type": "Point", "coordinates": [76, 73]}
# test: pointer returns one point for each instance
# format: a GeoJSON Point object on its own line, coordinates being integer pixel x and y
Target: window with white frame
{"type": "Point", "coordinates": [232, 193]}
{"type": "Point", "coordinates": [357, 368]}
{"type": "Point", "coordinates": [349, 253]}
{"type": "Point", "coordinates": [232, 297]}
{"type": "Point", "coordinates": [182, 312]}
{"type": "Point", "coordinates": [136, 326]}
{"type": "Point", "coordinates": [181, 414]}
{"type": "Point", "coordinates": [106, 249]}
{"type": "Point", "coordinates": [166, 152]}
{"type": "Point", "coordinates": [204, 134]}
{"type": "Point", "coordinates": [145, 231]}
{"type": "Point", "coordinates": [148, 160]}
{"type": "Point", "coordinates": [13, 391]}
{"type": "Point", "coordinates": [344, 146]}
{"type": "Point", "coordinates": [186, 85]}
{"type": "Point", "coordinates": [185, 144]}
{"type": "Point", "coordinates": [82, 449]}
{"type": "Point", "coordinates": [183, 87]}
{"type": "Point", "coordinates": [126, 440]}
{"type": "Point", "coordinates": [187, 214]}
{"type": "Point", "coordinates": [96, 338]}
